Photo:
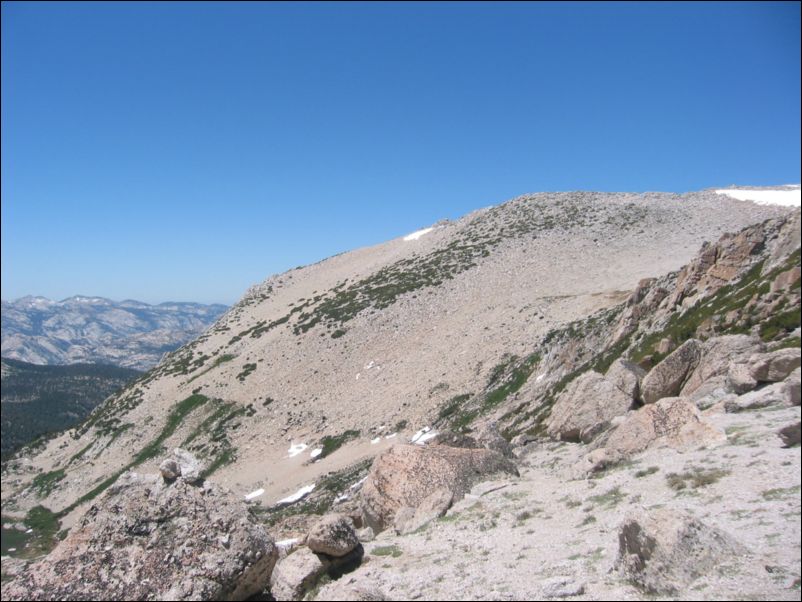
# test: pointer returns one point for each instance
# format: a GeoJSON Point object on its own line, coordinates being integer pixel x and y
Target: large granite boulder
{"type": "Point", "coordinates": [664, 550]}
{"type": "Point", "coordinates": [586, 408]}
{"type": "Point", "coordinates": [673, 422]}
{"type": "Point", "coordinates": [405, 475]}
{"type": "Point", "coordinates": [668, 377]}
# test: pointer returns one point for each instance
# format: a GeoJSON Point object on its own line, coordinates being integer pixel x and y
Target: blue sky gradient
{"type": "Point", "coordinates": [186, 151]}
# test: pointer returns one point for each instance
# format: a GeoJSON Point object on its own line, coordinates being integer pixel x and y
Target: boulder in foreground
{"type": "Point", "coordinates": [147, 538]}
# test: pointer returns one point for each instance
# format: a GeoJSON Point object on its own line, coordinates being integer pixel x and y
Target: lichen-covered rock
{"type": "Point", "coordinates": [668, 377]}
{"type": "Point", "coordinates": [791, 388]}
{"type": "Point", "coordinates": [191, 467]}
{"type": "Point", "coordinates": [673, 421]}
{"type": "Point", "coordinates": [405, 475]}
{"type": "Point", "coordinates": [760, 398]}
{"type": "Point", "coordinates": [303, 569]}
{"type": "Point", "coordinates": [348, 590]}
{"type": "Point", "coordinates": [333, 535]}
{"type": "Point", "coordinates": [169, 469]}
{"type": "Point", "coordinates": [626, 376]}
{"type": "Point", "coordinates": [716, 357]}
{"type": "Point", "coordinates": [149, 539]}
{"type": "Point", "coordinates": [664, 550]}
{"type": "Point", "coordinates": [775, 366]}
{"type": "Point", "coordinates": [790, 434]}
{"type": "Point", "coordinates": [586, 408]}
{"type": "Point", "coordinates": [433, 506]}
{"type": "Point", "coordinates": [740, 379]}
{"type": "Point", "coordinates": [489, 437]}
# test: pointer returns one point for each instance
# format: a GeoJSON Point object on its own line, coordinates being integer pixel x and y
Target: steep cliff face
{"type": "Point", "coordinates": [482, 318]}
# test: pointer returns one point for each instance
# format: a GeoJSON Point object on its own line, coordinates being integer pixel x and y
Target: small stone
{"type": "Point", "coordinates": [170, 470]}
{"type": "Point", "coordinates": [562, 587]}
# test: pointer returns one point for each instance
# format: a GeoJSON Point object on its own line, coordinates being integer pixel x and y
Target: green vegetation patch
{"type": "Point", "coordinates": [695, 478]}
{"type": "Point", "coordinates": [392, 550]}
{"type": "Point", "coordinates": [226, 357]}
{"type": "Point", "coordinates": [781, 493]}
{"type": "Point", "coordinates": [331, 444]}
{"type": "Point", "coordinates": [43, 538]}
{"type": "Point", "coordinates": [246, 370]}
{"type": "Point", "coordinates": [608, 499]}
{"type": "Point", "coordinates": [45, 482]}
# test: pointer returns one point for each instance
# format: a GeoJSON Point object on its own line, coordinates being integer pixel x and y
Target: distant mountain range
{"type": "Point", "coordinates": [94, 330]}
{"type": "Point", "coordinates": [41, 399]}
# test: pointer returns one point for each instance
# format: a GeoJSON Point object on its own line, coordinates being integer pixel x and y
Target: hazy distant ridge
{"type": "Point", "coordinates": [98, 330]}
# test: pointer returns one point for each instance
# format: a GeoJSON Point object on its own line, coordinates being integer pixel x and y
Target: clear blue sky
{"type": "Point", "coordinates": [185, 151]}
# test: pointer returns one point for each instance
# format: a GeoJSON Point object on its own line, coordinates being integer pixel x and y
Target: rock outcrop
{"type": "Point", "coordinates": [151, 539]}
{"type": "Point", "coordinates": [586, 408]}
{"type": "Point", "coordinates": [405, 475]}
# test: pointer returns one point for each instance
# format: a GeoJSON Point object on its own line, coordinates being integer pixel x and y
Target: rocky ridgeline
{"type": "Point", "coordinates": [96, 330]}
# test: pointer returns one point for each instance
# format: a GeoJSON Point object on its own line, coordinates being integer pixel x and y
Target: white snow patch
{"type": "Point", "coordinates": [419, 434]}
{"type": "Point", "coordinates": [391, 435]}
{"type": "Point", "coordinates": [370, 365]}
{"type": "Point", "coordinates": [375, 441]}
{"type": "Point", "coordinates": [29, 531]}
{"type": "Point", "coordinates": [316, 452]}
{"type": "Point", "coordinates": [417, 234]}
{"type": "Point", "coordinates": [424, 438]}
{"type": "Point", "coordinates": [357, 375]}
{"type": "Point", "coordinates": [254, 494]}
{"type": "Point", "coordinates": [301, 493]}
{"type": "Point", "coordinates": [541, 377]}
{"type": "Point", "coordinates": [288, 543]}
{"type": "Point", "coordinates": [296, 448]}
{"type": "Point", "coordinates": [786, 198]}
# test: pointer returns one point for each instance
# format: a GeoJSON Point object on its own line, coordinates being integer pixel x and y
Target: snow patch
{"type": "Point", "coordinates": [541, 377]}
{"type": "Point", "coordinates": [391, 435]}
{"type": "Point", "coordinates": [785, 198]}
{"type": "Point", "coordinates": [418, 233]}
{"type": "Point", "coordinates": [301, 493]}
{"type": "Point", "coordinates": [316, 452]}
{"type": "Point", "coordinates": [296, 448]}
{"type": "Point", "coordinates": [288, 543]}
{"type": "Point", "coordinates": [423, 435]}
{"type": "Point", "coordinates": [424, 438]}
{"type": "Point", "coordinates": [375, 441]}
{"type": "Point", "coordinates": [254, 494]}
